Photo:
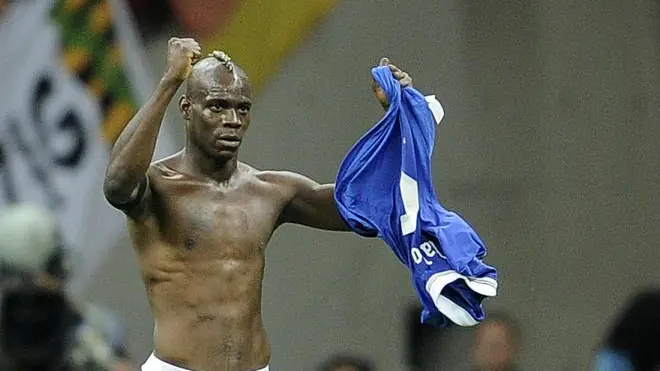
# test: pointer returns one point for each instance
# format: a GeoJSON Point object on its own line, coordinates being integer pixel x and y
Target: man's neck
{"type": "Point", "coordinates": [196, 163]}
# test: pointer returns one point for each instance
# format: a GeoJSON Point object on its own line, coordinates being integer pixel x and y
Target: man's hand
{"type": "Point", "coordinates": [181, 55]}
{"type": "Point", "coordinates": [404, 79]}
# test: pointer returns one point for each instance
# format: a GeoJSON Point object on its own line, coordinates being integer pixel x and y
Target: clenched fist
{"type": "Point", "coordinates": [181, 55]}
{"type": "Point", "coordinates": [402, 77]}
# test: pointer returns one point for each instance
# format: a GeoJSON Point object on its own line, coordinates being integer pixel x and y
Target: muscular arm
{"type": "Point", "coordinates": [125, 185]}
{"type": "Point", "coordinates": [312, 204]}
{"type": "Point", "coordinates": [125, 179]}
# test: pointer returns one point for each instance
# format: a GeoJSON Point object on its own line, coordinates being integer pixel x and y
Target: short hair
{"type": "Point", "coordinates": [342, 360]}
{"type": "Point", "coordinates": [212, 60]}
{"type": "Point", "coordinates": [223, 58]}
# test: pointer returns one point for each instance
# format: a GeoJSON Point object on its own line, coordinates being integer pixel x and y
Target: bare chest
{"type": "Point", "coordinates": [214, 222]}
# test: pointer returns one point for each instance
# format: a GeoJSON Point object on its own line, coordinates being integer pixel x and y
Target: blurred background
{"type": "Point", "coordinates": [549, 148]}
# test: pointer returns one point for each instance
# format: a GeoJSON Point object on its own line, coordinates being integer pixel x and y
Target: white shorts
{"type": "Point", "coordinates": [155, 364]}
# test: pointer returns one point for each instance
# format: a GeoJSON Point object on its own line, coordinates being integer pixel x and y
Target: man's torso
{"type": "Point", "coordinates": [201, 247]}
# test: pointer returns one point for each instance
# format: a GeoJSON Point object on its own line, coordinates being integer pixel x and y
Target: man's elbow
{"type": "Point", "coordinates": [116, 191]}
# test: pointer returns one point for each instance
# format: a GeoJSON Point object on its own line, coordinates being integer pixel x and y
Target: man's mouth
{"type": "Point", "coordinates": [228, 140]}
{"type": "Point", "coordinates": [229, 137]}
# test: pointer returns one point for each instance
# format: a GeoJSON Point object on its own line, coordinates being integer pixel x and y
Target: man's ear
{"type": "Point", "coordinates": [184, 107]}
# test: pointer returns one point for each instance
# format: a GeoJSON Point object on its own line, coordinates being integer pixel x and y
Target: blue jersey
{"type": "Point", "coordinates": [384, 189]}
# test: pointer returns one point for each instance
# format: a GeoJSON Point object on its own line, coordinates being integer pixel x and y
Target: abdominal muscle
{"type": "Point", "coordinates": [207, 313]}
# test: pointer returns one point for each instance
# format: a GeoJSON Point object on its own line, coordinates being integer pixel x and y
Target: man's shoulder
{"type": "Point", "coordinates": [278, 177]}
{"type": "Point", "coordinates": [285, 182]}
{"type": "Point", "coordinates": [165, 165]}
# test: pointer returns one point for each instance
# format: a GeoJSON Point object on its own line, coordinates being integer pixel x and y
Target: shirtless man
{"type": "Point", "coordinates": [200, 220]}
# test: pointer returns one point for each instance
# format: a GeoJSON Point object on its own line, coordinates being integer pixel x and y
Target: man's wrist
{"type": "Point", "coordinates": [170, 81]}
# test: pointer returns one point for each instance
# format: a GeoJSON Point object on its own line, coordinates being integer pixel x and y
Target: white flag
{"type": "Point", "coordinates": [59, 99]}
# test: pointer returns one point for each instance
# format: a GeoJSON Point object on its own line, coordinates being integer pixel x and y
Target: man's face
{"type": "Point", "coordinates": [217, 108]}
{"type": "Point", "coordinates": [494, 348]}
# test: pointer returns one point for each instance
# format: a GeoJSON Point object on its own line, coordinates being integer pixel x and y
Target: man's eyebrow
{"type": "Point", "coordinates": [226, 98]}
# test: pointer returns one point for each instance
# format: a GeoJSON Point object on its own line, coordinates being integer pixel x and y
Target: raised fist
{"type": "Point", "coordinates": [181, 55]}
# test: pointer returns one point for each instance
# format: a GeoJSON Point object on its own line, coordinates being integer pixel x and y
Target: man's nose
{"type": "Point", "coordinates": [230, 119]}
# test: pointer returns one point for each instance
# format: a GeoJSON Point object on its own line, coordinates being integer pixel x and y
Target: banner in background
{"type": "Point", "coordinates": [257, 34]}
{"type": "Point", "coordinates": [73, 76]}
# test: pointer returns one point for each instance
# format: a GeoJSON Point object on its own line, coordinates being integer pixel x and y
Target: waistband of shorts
{"type": "Point", "coordinates": [155, 364]}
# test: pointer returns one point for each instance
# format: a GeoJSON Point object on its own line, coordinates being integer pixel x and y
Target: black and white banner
{"type": "Point", "coordinates": [52, 151]}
